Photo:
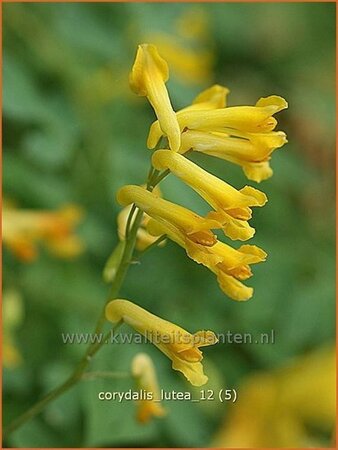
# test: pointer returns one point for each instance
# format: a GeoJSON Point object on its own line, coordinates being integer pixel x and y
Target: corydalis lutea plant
{"type": "Point", "coordinates": [243, 135]}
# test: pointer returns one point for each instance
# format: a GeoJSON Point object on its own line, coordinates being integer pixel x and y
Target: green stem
{"type": "Point", "coordinates": [39, 406]}
{"type": "Point", "coordinates": [108, 375]}
{"type": "Point", "coordinates": [154, 244]}
{"type": "Point", "coordinates": [123, 267]}
{"type": "Point", "coordinates": [162, 176]}
{"type": "Point", "coordinates": [153, 180]}
{"type": "Point", "coordinates": [129, 220]}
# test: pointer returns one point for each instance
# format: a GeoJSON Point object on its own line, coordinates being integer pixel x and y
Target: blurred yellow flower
{"type": "Point", "coordinates": [147, 78]}
{"type": "Point", "coordinates": [188, 64]}
{"type": "Point", "coordinates": [11, 357]}
{"type": "Point", "coordinates": [251, 151]}
{"type": "Point", "coordinates": [194, 24]}
{"type": "Point", "coordinates": [12, 318]}
{"type": "Point", "coordinates": [232, 207]}
{"type": "Point", "coordinates": [195, 227]}
{"type": "Point", "coordinates": [176, 343]}
{"type": "Point", "coordinates": [143, 371]}
{"type": "Point", "coordinates": [228, 264]}
{"type": "Point", "coordinates": [24, 229]}
{"type": "Point", "coordinates": [187, 47]}
{"type": "Point", "coordinates": [281, 408]}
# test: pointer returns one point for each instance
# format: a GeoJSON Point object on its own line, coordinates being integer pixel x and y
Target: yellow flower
{"type": "Point", "coordinates": [176, 343]}
{"type": "Point", "coordinates": [147, 78]}
{"type": "Point", "coordinates": [228, 264]}
{"type": "Point", "coordinates": [233, 266]}
{"type": "Point", "coordinates": [293, 400]}
{"type": "Point", "coordinates": [237, 121]}
{"type": "Point", "coordinates": [252, 151]}
{"type": "Point", "coordinates": [144, 239]}
{"type": "Point", "coordinates": [23, 229]}
{"type": "Point", "coordinates": [252, 119]}
{"type": "Point", "coordinates": [195, 227]}
{"type": "Point", "coordinates": [189, 65]}
{"type": "Point", "coordinates": [232, 207]}
{"type": "Point", "coordinates": [211, 98]}
{"type": "Point", "coordinates": [143, 371]}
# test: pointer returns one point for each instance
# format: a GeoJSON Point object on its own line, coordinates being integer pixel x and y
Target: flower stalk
{"type": "Point", "coordinates": [243, 135]}
{"type": "Point", "coordinates": [93, 348]}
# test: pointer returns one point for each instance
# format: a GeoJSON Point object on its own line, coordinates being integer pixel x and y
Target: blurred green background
{"type": "Point", "coordinates": [72, 133]}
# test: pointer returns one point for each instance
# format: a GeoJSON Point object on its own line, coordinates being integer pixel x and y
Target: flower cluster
{"type": "Point", "coordinates": [243, 135]}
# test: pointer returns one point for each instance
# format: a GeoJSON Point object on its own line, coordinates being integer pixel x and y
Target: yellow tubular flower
{"type": "Point", "coordinates": [147, 78]}
{"type": "Point", "coordinates": [249, 150]}
{"type": "Point", "coordinates": [143, 371]}
{"type": "Point", "coordinates": [195, 227]}
{"type": "Point", "coordinates": [211, 98]}
{"type": "Point", "coordinates": [254, 119]}
{"type": "Point", "coordinates": [231, 206]}
{"type": "Point", "coordinates": [23, 229]}
{"type": "Point", "coordinates": [232, 267]}
{"type": "Point", "coordinates": [228, 264]}
{"type": "Point", "coordinates": [176, 343]}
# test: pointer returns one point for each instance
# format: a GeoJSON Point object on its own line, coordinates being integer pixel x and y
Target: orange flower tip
{"type": "Point", "coordinates": [25, 254]}
{"type": "Point", "coordinates": [205, 238]}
